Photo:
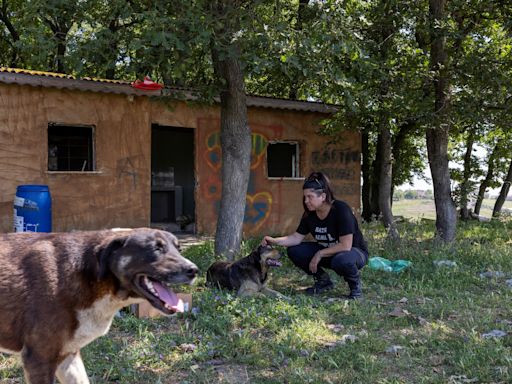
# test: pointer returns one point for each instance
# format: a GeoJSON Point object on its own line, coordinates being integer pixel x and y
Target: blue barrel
{"type": "Point", "coordinates": [32, 209]}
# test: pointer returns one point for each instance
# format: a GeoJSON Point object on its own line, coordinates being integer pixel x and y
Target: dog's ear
{"type": "Point", "coordinates": [104, 255]}
{"type": "Point", "coordinates": [256, 254]}
{"type": "Point", "coordinates": [172, 239]}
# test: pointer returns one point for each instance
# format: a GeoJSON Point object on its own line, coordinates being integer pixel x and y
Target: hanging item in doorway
{"type": "Point", "coordinates": [147, 84]}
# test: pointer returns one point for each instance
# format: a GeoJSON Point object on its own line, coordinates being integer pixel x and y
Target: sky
{"type": "Point", "coordinates": [419, 183]}
{"type": "Point", "coordinates": [424, 185]}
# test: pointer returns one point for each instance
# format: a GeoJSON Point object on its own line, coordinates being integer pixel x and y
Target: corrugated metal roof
{"type": "Point", "coordinates": [63, 81]}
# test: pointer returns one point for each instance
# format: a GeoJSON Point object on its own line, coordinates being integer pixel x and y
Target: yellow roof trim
{"type": "Point", "coordinates": [58, 75]}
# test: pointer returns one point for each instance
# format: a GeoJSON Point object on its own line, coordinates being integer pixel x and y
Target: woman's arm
{"type": "Point", "coordinates": [286, 241]}
{"type": "Point", "coordinates": [345, 244]}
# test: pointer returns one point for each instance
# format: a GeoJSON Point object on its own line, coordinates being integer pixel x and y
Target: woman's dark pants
{"type": "Point", "coordinates": [346, 264]}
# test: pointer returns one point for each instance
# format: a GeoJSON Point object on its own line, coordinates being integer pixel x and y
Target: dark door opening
{"type": "Point", "coordinates": [172, 178]}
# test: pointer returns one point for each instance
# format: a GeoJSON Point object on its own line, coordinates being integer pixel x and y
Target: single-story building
{"type": "Point", "coordinates": [116, 156]}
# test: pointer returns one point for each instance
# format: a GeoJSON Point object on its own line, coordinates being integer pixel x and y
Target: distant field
{"type": "Point", "coordinates": [422, 208]}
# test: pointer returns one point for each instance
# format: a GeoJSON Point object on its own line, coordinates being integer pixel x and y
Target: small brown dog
{"type": "Point", "coordinates": [60, 291]}
{"type": "Point", "coordinates": [247, 275]}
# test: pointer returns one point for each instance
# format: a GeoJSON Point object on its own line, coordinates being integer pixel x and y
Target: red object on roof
{"type": "Point", "coordinates": [147, 84]}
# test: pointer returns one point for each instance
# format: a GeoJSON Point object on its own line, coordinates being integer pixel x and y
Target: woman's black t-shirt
{"type": "Point", "coordinates": [340, 221]}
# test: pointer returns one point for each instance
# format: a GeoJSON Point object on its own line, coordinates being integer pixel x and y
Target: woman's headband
{"type": "Point", "coordinates": [312, 183]}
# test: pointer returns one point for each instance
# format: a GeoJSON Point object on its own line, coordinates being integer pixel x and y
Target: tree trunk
{"type": "Point", "coordinates": [365, 169]}
{"type": "Point", "coordinates": [503, 193]}
{"type": "Point", "coordinates": [4, 17]}
{"type": "Point", "coordinates": [61, 51]}
{"type": "Point", "coordinates": [297, 79]}
{"type": "Point", "coordinates": [60, 29]}
{"type": "Point", "coordinates": [488, 178]}
{"type": "Point", "coordinates": [437, 136]}
{"type": "Point", "coordinates": [385, 140]}
{"type": "Point", "coordinates": [398, 142]}
{"type": "Point", "coordinates": [375, 186]}
{"type": "Point", "coordinates": [464, 188]}
{"type": "Point", "coordinates": [114, 27]}
{"type": "Point", "coordinates": [385, 181]}
{"type": "Point", "coordinates": [446, 213]}
{"type": "Point", "coordinates": [235, 137]}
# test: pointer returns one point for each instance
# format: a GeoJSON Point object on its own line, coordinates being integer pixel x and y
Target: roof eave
{"type": "Point", "coordinates": [127, 89]}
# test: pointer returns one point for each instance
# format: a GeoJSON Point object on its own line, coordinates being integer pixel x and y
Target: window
{"type": "Point", "coordinates": [283, 159]}
{"type": "Point", "coordinates": [70, 148]}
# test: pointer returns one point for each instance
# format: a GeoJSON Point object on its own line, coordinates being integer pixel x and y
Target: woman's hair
{"type": "Point", "coordinates": [320, 184]}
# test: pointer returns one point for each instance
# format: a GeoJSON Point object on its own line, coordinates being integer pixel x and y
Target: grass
{"type": "Point", "coordinates": [425, 208]}
{"type": "Point", "coordinates": [431, 320]}
{"type": "Point", "coordinates": [488, 205]}
{"type": "Point", "coordinates": [418, 208]}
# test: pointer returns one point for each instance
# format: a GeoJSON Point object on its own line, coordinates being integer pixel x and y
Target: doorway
{"type": "Point", "coordinates": [172, 178]}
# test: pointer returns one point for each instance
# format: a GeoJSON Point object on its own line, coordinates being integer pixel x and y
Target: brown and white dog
{"type": "Point", "coordinates": [60, 291]}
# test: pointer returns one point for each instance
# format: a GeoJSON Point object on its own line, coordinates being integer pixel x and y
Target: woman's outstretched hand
{"type": "Point", "coordinates": [268, 240]}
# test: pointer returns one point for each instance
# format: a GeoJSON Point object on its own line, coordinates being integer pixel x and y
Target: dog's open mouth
{"type": "Point", "coordinates": [273, 262]}
{"type": "Point", "coordinates": [159, 295]}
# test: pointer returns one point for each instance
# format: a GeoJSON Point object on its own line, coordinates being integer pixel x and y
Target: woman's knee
{"type": "Point", "coordinates": [296, 254]}
{"type": "Point", "coordinates": [342, 264]}
{"type": "Point", "coordinates": [301, 254]}
{"type": "Point", "coordinates": [293, 251]}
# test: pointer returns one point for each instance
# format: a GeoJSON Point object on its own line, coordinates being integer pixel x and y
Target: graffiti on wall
{"type": "Point", "coordinates": [259, 145]}
{"type": "Point", "coordinates": [331, 155]}
{"type": "Point", "coordinates": [347, 189]}
{"type": "Point", "coordinates": [213, 151]}
{"type": "Point", "coordinates": [125, 167]}
{"type": "Point", "coordinates": [336, 162]}
{"type": "Point", "coordinates": [258, 203]}
{"type": "Point", "coordinates": [257, 209]}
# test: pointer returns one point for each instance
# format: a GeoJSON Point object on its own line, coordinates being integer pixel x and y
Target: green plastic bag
{"type": "Point", "coordinates": [380, 263]}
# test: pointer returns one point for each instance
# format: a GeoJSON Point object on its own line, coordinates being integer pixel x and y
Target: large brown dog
{"type": "Point", "coordinates": [248, 275]}
{"type": "Point", "coordinates": [60, 291]}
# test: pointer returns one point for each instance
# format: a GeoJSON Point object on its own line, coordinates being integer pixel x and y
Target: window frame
{"type": "Point", "coordinates": [92, 127]}
{"type": "Point", "coordinates": [295, 164]}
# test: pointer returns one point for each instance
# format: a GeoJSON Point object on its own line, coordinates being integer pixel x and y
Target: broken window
{"type": "Point", "coordinates": [283, 159]}
{"type": "Point", "coordinates": [70, 148]}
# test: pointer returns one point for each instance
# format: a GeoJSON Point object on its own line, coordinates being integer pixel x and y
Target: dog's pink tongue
{"type": "Point", "coordinates": [273, 263]}
{"type": "Point", "coordinates": [169, 297]}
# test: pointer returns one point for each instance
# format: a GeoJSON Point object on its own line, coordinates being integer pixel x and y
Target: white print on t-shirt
{"type": "Point", "coordinates": [322, 238]}
{"type": "Point", "coordinates": [327, 245]}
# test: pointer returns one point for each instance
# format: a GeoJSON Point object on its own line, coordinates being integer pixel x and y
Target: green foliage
{"type": "Point", "coordinates": [411, 194]}
{"type": "Point", "coordinates": [371, 58]}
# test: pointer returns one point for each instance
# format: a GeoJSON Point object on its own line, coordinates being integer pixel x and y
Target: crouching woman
{"type": "Point", "coordinates": [339, 244]}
